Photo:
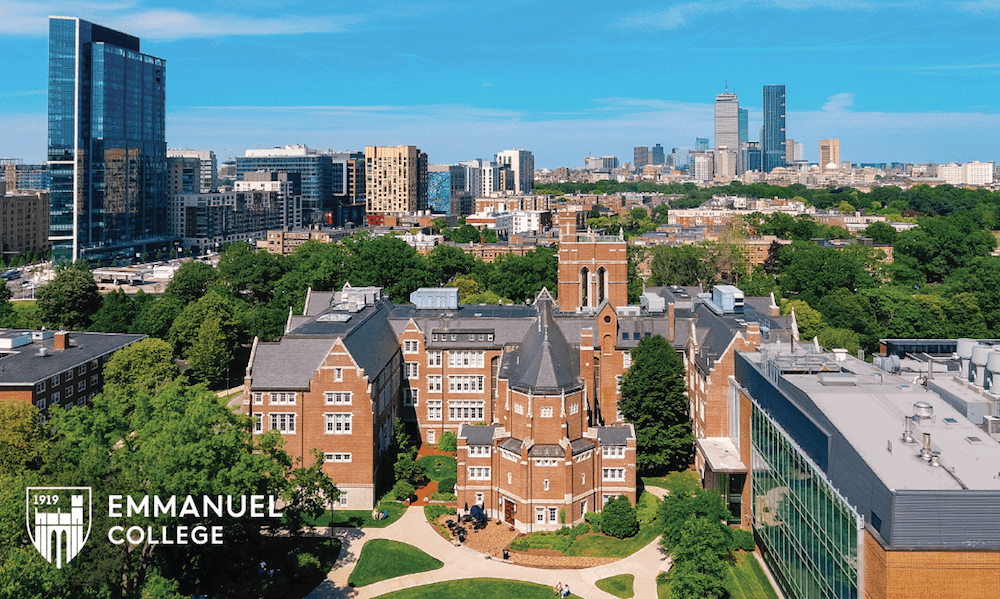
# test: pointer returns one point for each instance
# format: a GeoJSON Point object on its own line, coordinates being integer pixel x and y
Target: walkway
{"type": "Point", "coordinates": [461, 562]}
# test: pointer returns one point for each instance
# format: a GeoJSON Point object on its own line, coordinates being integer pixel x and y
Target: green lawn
{"type": "Point", "coordinates": [382, 559]}
{"type": "Point", "coordinates": [476, 588]}
{"type": "Point", "coordinates": [746, 580]}
{"type": "Point", "coordinates": [439, 467]}
{"type": "Point", "coordinates": [596, 545]}
{"type": "Point", "coordinates": [25, 305]}
{"type": "Point", "coordinates": [675, 482]}
{"type": "Point", "coordinates": [619, 586]}
{"type": "Point", "coordinates": [359, 518]}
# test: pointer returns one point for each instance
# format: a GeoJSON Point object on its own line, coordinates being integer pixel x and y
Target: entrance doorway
{"type": "Point", "coordinates": [508, 511]}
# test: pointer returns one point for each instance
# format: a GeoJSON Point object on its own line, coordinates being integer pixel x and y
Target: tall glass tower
{"type": "Point", "coordinates": [107, 144]}
{"type": "Point", "coordinates": [772, 140]}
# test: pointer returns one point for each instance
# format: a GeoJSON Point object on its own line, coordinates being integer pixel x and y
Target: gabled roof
{"type": "Point", "coordinates": [544, 363]}
{"type": "Point", "coordinates": [289, 364]}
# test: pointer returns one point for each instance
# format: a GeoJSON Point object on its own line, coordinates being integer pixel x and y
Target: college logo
{"type": "Point", "coordinates": [58, 520]}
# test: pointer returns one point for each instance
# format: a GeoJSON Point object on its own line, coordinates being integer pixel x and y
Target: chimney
{"type": "Point", "coordinates": [753, 333]}
{"type": "Point", "coordinates": [61, 340]}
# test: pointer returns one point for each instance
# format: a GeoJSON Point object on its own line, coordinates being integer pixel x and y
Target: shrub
{"type": "Point", "coordinates": [447, 485]}
{"type": "Point", "coordinates": [646, 509]}
{"type": "Point", "coordinates": [562, 515]}
{"type": "Point", "coordinates": [309, 565]}
{"type": "Point", "coordinates": [742, 540]}
{"type": "Point", "coordinates": [618, 518]}
{"type": "Point", "coordinates": [402, 490]}
{"type": "Point", "coordinates": [433, 512]}
{"type": "Point", "coordinates": [594, 519]}
{"type": "Point", "coordinates": [439, 496]}
{"type": "Point", "coordinates": [448, 441]}
{"type": "Point", "coordinates": [542, 540]}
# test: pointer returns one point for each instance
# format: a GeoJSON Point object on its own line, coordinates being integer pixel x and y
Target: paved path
{"type": "Point", "coordinates": [461, 562]}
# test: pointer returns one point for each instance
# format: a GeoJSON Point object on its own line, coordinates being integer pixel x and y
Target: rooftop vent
{"type": "Point", "coordinates": [923, 410]}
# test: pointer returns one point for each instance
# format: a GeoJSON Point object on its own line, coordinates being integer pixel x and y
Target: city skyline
{"type": "Point", "coordinates": [566, 82]}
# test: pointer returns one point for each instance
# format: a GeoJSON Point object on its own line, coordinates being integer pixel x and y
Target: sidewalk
{"type": "Point", "coordinates": [461, 562]}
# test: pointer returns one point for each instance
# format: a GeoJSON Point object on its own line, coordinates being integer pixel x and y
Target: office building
{"type": "Point", "coordinates": [446, 192]}
{"type": "Point", "coordinates": [347, 184]}
{"type": "Point", "coordinates": [16, 175]}
{"type": "Point", "coordinates": [727, 121]}
{"type": "Point", "coordinates": [829, 154]}
{"type": "Point", "coordinates": [395, 181]}
{"type": "Point", "coordinates": [656, 156]}
{"type": "Point", "coordinates": [752, 156]}
{"type": "Point", "coordinates": [24, 223]}
{"type": "Point", "coordinates": [316, 169]}
{"type": "Point", "coordinates": [703, 165]}
{"type": "Point", "coordinates": [772, 140]}
{"type": "Point", "coordinates": [107, 146]}
{"type": "Point", "coordinates": [725, 164]}
{"type": "Point", "coordinates": [640, 157]}
{"type": "Point", "coordinates": [701, 144]}
{"type": "Point", "coordinates": [744, 134]}
{"type": "Point", "coordinates": [184, 175]}
{"type": "Point", "coordinates": [522, 165]}
{"type": "Point", "coordinates": [601, 164]}
{"type": "Point", "coordinates": [680, 158]}
{"type": "Point", "coordinates": [276, 196]}
{"type": "Point", "coordinates": [208, 175]}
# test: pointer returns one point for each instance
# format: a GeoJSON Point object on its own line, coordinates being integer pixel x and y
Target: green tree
{"type": "Point", "coordinates": [390, 263]}
{"type": "Point", "coordinates": [212, 352]}
{"type": "Point", "coordinates": [678, 508]}
{"type": "Point", "coordinates": [881, 232]}
{"type": "Point", "coordinates": [653, 399]}
{"type": "Point", "coordinates": [446, 262]}
{"type": "Point", "coordinates": [23, 441]}
{"type": "Point", "coordinates": [8, 317]}
{"type": "Point", "coordinates": [116, 314]}
{"type": "Point", "coordinates": [520, 278]}
{"type": "Point", "coordinates": [809, 321]}
{"type": "Point", "coordinates": [156, 316]}
{"type": "Point", "coordinates": [249, 272]}
{"type": "Point", "coordinates": [618, 518]}
{"type": "Point", "coordinates": [191, 281]}
{"type": "Point", "coordinates": [184, 330]}
{"type": "Point", "coordinates": [700, 557]}
{"type": "Point", "coordinates": [145, 365]}
{"type": "Point", "coordinates": [71, 300]}
{"type": "Point", "coordinates": [681, 265]}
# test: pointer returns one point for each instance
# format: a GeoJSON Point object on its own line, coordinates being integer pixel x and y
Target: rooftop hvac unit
{"type": "Point", "coordinates": [992, 424]}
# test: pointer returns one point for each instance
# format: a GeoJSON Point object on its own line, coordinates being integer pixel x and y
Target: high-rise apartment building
{"type": "Point", "coordinates": [107, 146]}
{"type": "Point", "coordinates": [395, 180]}
{"type": "Point", "coordinates": [316, 169]}
{"type": "Point", "coordinates": [829, 153]}
{"type": "Point", "coordinates": [183, 175]}
{"type": "Point", "coordinates": [772, 140]}
{"type": "Point", "coordinates": [16, 175]}
{"type": "Point", "coordinates": [789, 150]}
{"type": "Point", "coordinates": [640, 156]}
{"type": "Point", "coordinates": [208, 176]}
{"type": "Point", "coordinates": [522, 163]}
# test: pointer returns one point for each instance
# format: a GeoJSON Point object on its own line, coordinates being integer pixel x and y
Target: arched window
{"type": "Point", "coordinates": [584, 286]}
{"type": "Point", "coordinates": [602, 285]}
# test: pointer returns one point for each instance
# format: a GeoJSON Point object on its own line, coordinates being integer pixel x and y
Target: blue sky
{"type": "Point", "coordinates": [908, 80]}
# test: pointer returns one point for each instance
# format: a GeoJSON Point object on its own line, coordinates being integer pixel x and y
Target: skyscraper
{"type": "Point", "coordinates": [700, 144]}
{"type": "Point", "coordinates": [395, 181]}
{"type": "Point", "coordinates": [772, 140]}
{"type": "Point", "coordinates": [522, 162]}
{"type": "Point", "coordinates": [640, 157]}
{"type": "Point", "coordinates": [727, 121]}
{"type": "Point", "coordinates": [744, 127]}
{"type": "Point", "coordinates": [656, 154]}
{"type": "Point", "coordinates": [107, 145]}
{"type": "Point", "coordinates": [829, 153]}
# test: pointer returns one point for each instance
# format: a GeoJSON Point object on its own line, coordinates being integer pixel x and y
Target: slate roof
{"type": "Point", "coordinates": [544, 363]}
{"type": "Point", "coordinates": [477, 435]}
{"type": "Point", "coordinates": [614, 435]}
{"type": "Point", "coordinates": [578, 446]}
{"type": "Point", "coordinates": [508, 323]}
{"type": "Point", "coordinates": [318, 301]}
{"type": "Point", "coordinates": [546, 451]}
{"type": "Point", "coordinates": [22, 365]}
{"type": "Point", "coordinates": [289, 364]}
{"type": "Point", "coordinates": [512, 444]}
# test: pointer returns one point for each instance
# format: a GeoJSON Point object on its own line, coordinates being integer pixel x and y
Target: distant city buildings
{"type": "Point", "coordinates": [15, 175]}
{"type": "Point", "coordinates": [829, 154]}
{"type": "Point", "coordinates": [395, 181]}
{"type": "Point", "coordinates": [106, 144]}
{"type": "Point", "coordinates": [772, 138]}
{"type": "Point", "coordinates": [24, 223]}
{"type": "Point", "coordinates": [727, 124]}
{"type": "Point", "coordinates": [208, 177]}
{"type": "Point", "coordinates": [971, 173]}
{"type": "Point", "coordinates": [522, 164]}
{"type": "Point", "coordinates": [446, 189]}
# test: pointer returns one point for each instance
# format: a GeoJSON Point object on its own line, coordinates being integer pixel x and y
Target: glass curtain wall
{"type": "Point", "coordinates": [809, 532]}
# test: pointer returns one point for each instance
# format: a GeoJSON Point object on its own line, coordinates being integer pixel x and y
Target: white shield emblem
{"type": "Point", "coordinates": [58, 520]}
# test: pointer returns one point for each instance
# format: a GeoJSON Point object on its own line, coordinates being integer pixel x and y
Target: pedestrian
{"type": "Point", "coordinates": [558, 589]}
{"type": "Point", "coordinates": [565, 590]}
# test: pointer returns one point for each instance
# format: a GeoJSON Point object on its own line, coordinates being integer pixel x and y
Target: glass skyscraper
{"type": "Point", "coordinates": [107, 144]}
{"type": "Point", "coordinates": [772, 139]}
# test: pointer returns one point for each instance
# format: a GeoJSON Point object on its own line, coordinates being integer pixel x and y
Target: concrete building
{"type": "Point", "coordinates": [284, 242]}
{"type": "Point", "coordinates": [208, 172]}
{"type": "Point", "coordinates": [183, 175]}
{"type": "Point", "coordinates": [727, 124]}
{"type": "Point", "coordinates": [640, 157]}
{"type": "Point", "coordinates": [725, 164]}
{"type": "Point", "coordinates": [522, 164]}
{"type": "Point", "coordinates": [16, 175]}
{"type": "Point", "coordinates": [601, 164]}
{"type": "Point", "coordinates": [46, 368]}
{"type": "Point", "coordinates": [703, 165]}
{"type": "Point", "coordinates": [829, 154]}
{"type": "Point", "coordinates": [24, 223]}
{"type": "Point", "coordinates": [395, 181]}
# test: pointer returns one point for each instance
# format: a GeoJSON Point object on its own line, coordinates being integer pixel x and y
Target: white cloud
{"type": "Point", "coordinates": [838, 102]}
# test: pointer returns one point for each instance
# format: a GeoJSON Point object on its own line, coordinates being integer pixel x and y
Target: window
{"type": "Point", "coordinates": [258, 423]}
{"type": "Point", "coordinates": [80, 401]}
{"type": "Point", "coordinates": [434, 337]}
{"type": "Point", "coordinates": [518, 408]}
{"type": "Point", "coordinates": [613, 452]}
{"type": "Point", "coordinates": [338, 374]}
{"type": "Point", "coordinates": [479, 451]}
{"type": "Point", "coordinates": [583, 506]}
{"type": "Point", "coordinates": [68, 391]}
{"type": "Point", "coordinates": [546, 462]}
{"type": "Point", "coordinates": [68, 375]}
{"type": "Point", "coordinates": [434, 409]}
{"type": "Point", "coordinates": [433, 358]}
{"type": "Point", "coordinates": [81, 386]}
{"type": "Point", "coordinates": [411, 346]}
{"type": "Point", "coordinates": [574, 408]}
{"type": "Point", "coordinates": [479, 473]}
{"type": "Point", "coordinates": [40, 403]}
{"type": "Point", "coordinates": [465, 359]}
{"type": "Point", "coordinates": [434, 383]}
{"type": "Point", "coordinates": [431, 436]}
{"type": "Point", "coordinates": [283, 422]}
{"type": "Point", "coordinates": [93, 365]}
{"type": "Point", "coordinates": [546, 411]}
{"type": "Point", "coordinates": [258, 399]}
{"type": "Point", "coordinates": [81, 370]}
{"type": "Point", "coordinates": [606, 498]}
{"type": "Point", "coordinates": [39, 387]}
{"type": "Point", "coordinates": [336, 457]}
{"type": "Point", "coordinates": [479, 499]}
{"type": "Point", "coordinates": [540, 515]}
{"type": "Point", "coordinates": [466, 410]}
{"type": "Point", "coordinates": [93, 380]}
{"type": "Point", "coordinates": [411, 370]}
{"type": "Point", "coordinates": [338, 424]}
{"type": "Point", "coordinates": [613, 473]}
{"type": "Point", "coordinates": [510, 478]}
{"type": "Point", "coordinates": [583, 479]}
{"type": "Point", "coordinates": [54, 381]}
{"type": "Point", "coordinates": [465, 383]}
{"type": "Point", "coordinates": [342, 500]}
{"type": "Point", "coordinates": [627, 358]}
{"type": "Point", "coordinates": [545, 485]}
{"type": "Point", "coordinates": [489, 337]}
{"type": "Point", "coordinates": [338, 398]}
{"type": "Point", "coordinates": [410, 396]}
{"type": "Point", "coordinates": [624, 335]}
{"type": "Point", "coordinates": [618, 384]}
{"type": "Point", "coordinates": [553, 515]}
{"type": "Point", "coordinates": [282, 398]}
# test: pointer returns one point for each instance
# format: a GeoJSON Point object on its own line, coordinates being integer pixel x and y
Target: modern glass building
{"type": "Point", "coordinates": [107, 147]}
{"type": "Point", "coordinates": [772, 138]}
{"type": "Point", "coordinates": [446, 188]}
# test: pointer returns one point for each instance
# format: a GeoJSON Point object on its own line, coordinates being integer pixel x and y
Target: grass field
{"type": "Point", "coordinates": [359, 518]}
{"type": "Point", "coordinates": [382, 559]}
{"type": "Point", "coordinates": [476, 588]}
{"type": "Point", "coordinates": [619, 586]}
{"type": "Point", "coordinates": [594, 545]}
{"type": "Point", "coordinates": [675, 482]}
{"type": "Point", "coordinates": [439, 467]}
